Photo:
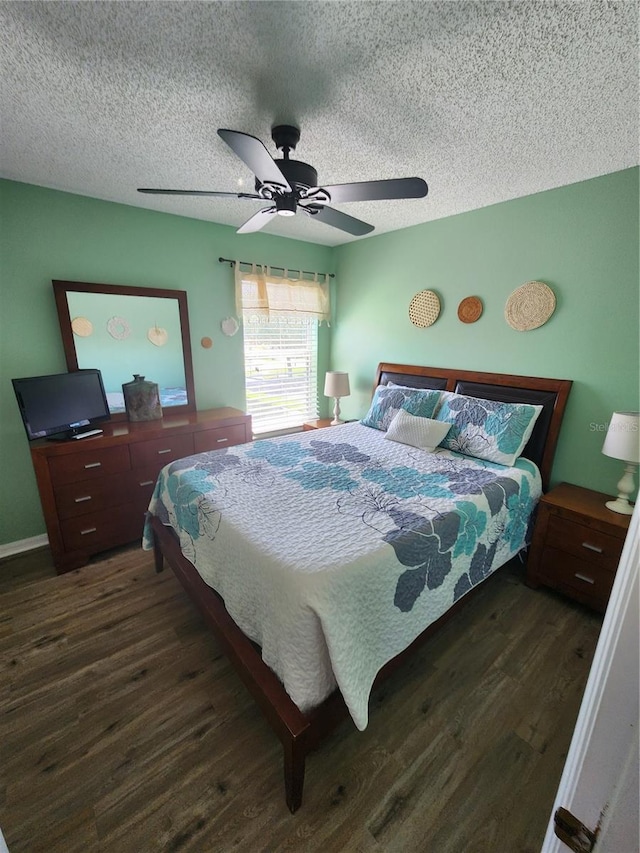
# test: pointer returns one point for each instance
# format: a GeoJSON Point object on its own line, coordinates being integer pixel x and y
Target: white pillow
{"type": "Point", "coordinates": [424, 433]}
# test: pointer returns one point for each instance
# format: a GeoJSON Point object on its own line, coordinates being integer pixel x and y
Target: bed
{"type": "Point", "coordinates": [321, 559]}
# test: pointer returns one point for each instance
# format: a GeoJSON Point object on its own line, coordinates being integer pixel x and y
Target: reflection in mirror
{"type": "Point", "coordinates": [125, 331]}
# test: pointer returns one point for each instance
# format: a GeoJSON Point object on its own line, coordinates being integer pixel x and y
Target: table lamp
{"type": "Point", "coordinates": [336, 384]}
{"type": "Point", "coordinates": [623, 442]}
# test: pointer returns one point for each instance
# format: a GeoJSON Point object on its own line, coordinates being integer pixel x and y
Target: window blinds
{"type": "Point", "coordinates": [281, 317]}
{"type": "Point", "coordinates": [281, 376]}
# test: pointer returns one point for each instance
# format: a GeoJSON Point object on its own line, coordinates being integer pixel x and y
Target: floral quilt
{"type": "Point", "coordinates": [333, 549]}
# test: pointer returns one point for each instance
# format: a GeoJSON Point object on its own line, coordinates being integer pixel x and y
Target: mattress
{"type": "Point", "coordinates": [334, 549]}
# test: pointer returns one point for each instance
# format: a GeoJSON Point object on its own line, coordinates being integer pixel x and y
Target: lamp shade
{"type": "Point", "coordinates": [336, 384]}
{"type": "Point", "coordinates": [623, 437]}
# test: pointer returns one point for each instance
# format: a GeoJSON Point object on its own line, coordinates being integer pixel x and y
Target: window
{"type": "Point", "coordinates": [280, 318]}
{"type": "Point", "coordinates": [281, 378]}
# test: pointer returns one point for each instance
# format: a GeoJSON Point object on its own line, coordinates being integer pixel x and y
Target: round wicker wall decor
{"type": "Point", "coordinates": [82, 327]}
{"type": "Point", "coordinates": [424, 309]}
{"type": "Point", "coordinates": [530, 306]}
{"type": "Point", "coordinates": [470, 309]}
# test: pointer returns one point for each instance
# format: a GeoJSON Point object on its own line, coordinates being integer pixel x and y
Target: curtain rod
{"type": "Point", "coordinates": [284, 269]}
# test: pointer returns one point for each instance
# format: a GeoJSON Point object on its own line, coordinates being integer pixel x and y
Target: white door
{"type": "Point", "coordinates": [599, 784]}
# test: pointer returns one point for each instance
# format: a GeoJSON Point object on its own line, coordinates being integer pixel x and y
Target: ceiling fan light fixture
{"type": "Point", "coordinates": [285, 205]}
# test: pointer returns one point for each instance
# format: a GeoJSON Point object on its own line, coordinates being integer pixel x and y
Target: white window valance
{"type": "Point", "coordinates": [261, 293]}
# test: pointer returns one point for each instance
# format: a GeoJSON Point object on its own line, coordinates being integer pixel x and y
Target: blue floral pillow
{"type": "Point", "coordinates": [387, 402]}
{"type": "Point", "coordinates": [487, 429]}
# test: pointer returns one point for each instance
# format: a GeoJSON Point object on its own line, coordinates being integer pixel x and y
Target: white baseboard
{"type": "Point", "coordinates": [21, 546]}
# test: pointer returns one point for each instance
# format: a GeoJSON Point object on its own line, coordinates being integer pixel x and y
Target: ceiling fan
{"type": "Point", "coordinates": [290, 185]}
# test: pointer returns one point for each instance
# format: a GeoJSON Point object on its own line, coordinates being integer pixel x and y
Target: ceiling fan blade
{"type": "Point", "coordinates": [257, 221]}
{"type": "Point", "coordinates": [394, 188]}
{"type": "Point", "coordinates": [198, 192]}
{"type": "Point", "coordinates": [253, 152]}
{"type": "Point", "coordinates": [337, 219]}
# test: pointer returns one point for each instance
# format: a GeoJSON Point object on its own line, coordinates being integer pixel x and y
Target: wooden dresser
{"type": "Point", "coordinates": [95, 491]}
{"type": "Point", "coordinates": [577, 543]}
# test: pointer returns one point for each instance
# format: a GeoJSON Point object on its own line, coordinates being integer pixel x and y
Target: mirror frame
{"type": "Point", "coordinates": [60, 290]}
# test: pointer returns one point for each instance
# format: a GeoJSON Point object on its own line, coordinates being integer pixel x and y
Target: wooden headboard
{"type": "Point", "coordinates": [551, 394]}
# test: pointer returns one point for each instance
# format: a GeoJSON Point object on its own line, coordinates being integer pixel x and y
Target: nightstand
{"type": "Point", "coordinates": [319, 424]}
{"type": "Point", "coordinates": [577, 544]}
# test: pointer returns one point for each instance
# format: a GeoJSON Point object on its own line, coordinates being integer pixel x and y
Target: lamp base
{"type": "Point", "coordinates": [336, 413]}
{"type": "Point", "coordinates": [625, 489]}
{"type": "Point", "coordinates": [621, 505]}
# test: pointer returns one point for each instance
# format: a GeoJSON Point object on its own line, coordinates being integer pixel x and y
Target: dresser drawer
{"type": "Point", "coordinates": [142, 482]}
{"type": "Point", "coordinates": [214, 439]}
{"type": "Point", "coordinates": [89, 496]}
{"type": "Point", "coordinates": [584, 542]}
{"type": "Point", "coordinates": [100, 530]}
{"type": "Point", "coordinates": [161, 451]}
{"type": "Point", "coordinates": [89, 464]}
{"type": "Point", "coordinates": [585, 581]}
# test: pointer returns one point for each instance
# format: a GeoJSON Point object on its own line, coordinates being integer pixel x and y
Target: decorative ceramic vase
{"type": "Point", "coordinates": [142, 399]}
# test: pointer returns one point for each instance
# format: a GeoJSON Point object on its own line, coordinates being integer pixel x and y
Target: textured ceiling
{"type": "Point", "coordinates": [486, 101]}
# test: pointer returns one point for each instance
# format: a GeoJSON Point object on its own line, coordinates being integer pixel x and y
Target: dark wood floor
{"type": "Point", "coordinates": [122, 728]}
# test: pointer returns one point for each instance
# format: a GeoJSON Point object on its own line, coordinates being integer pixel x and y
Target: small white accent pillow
{"type": "Point", "coordinates": [423, 433]}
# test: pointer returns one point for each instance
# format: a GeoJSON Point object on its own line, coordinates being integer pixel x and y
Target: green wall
{"type": "Point", "coordinates": [47, 235]}
{"type": "Point", "coordinates": [582, 240]}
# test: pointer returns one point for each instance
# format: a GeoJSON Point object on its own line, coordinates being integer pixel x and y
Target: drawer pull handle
{"type": "Point", "coordinates": [147, 483]}
{"type": "Point", "coordinates": [83, 498]}
{"type": "Point", "coordinates": [221, 440]}
{"type": "Point", "coordinates": [590, 547]}
{"type": "Point", "coordinates": [584, 578]}
{"type": "Point", "coordinates": [88, 530]}
{"type": "Point", "coordinates": [160, 452]}
{"type": "Point", "coordinates": [94, 465]}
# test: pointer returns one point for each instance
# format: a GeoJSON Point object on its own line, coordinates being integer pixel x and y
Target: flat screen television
{"type": "Point", "coordinates": [62, 406]}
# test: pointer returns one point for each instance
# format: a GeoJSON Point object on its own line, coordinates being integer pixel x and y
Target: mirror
{"type": "Point", "coordinates": [125, 331]}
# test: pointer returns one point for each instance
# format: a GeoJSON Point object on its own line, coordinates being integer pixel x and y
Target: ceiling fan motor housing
{"type": "Point", "coordinates": [300, 175]}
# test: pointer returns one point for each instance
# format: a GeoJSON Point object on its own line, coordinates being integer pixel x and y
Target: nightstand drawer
{"type": "Point", "coordinates": [586, 582]}
{"type": "Point", "coordinates": [576, 544]}
{"type": "Point", "coordinates": [584, 542]}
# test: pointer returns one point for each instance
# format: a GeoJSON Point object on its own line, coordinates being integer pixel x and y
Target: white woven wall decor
{"type": "Point", "coordinates": [530, 306]}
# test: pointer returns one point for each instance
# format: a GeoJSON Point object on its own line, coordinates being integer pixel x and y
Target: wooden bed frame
{"type": "Point", "coordinates": [301, 733]}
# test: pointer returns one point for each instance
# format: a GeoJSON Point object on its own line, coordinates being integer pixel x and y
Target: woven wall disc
{"type": "Point", "coordinates": [118, 328]}
{"type": "Point", "coordinates": [424, 308]}
{"type": "Point", "coordinates": [530, 306]}
{"type": "Point", "coordinates": [229, 326]}
{"type": "Point", "coordinates": [82, 327]}
{"type": "Point", "coordinates": [470, 309]}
